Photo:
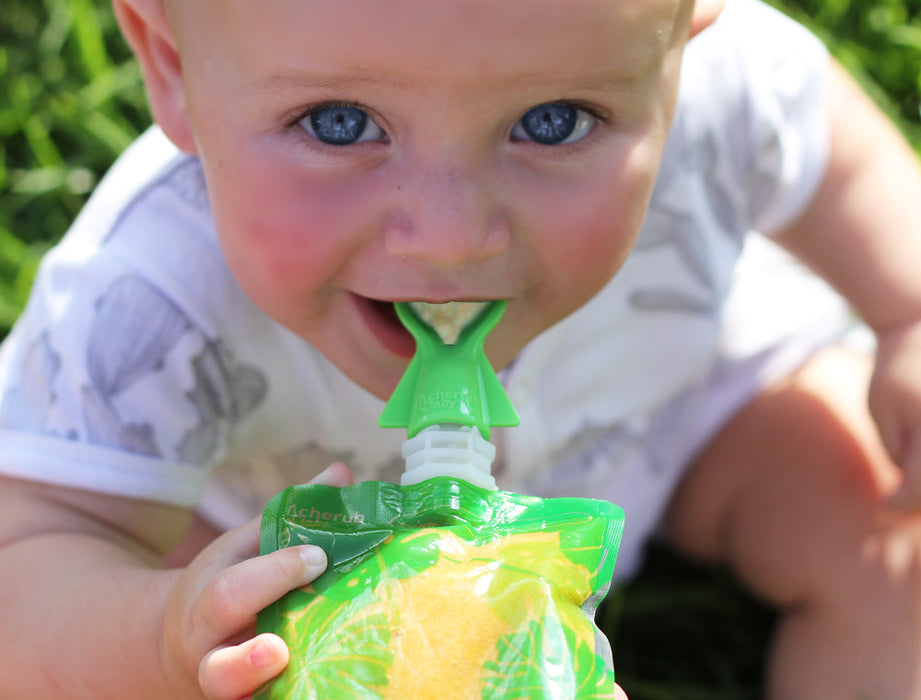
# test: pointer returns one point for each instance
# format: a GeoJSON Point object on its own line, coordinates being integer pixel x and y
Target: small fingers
{"type": "Point", "coordinates": [243, 542]}
{"type": "Point", "coordinates": [619, 693]}
{"type": "Point", "coordinates": [220, 592]}
{"type": "Point", "coordinates": [229, 602]}
{"type": "Point", "coordinates": [336, 474]}
{"type": "Point", "coordinates": [234, 672]}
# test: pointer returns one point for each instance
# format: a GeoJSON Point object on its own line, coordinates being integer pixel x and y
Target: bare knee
{"type": "Point", "coordinates": [790, 492]}
{"type": "Point", "coordinates": [791, 495]}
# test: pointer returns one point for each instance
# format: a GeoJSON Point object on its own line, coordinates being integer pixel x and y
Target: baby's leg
{"type": "Point", "coordinates": [790, 495]}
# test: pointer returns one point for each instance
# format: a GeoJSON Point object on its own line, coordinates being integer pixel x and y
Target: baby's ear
{"type": "Point", "coordinates": [705, 13]}
{"type": "Point", "coordinates": [146, 29]}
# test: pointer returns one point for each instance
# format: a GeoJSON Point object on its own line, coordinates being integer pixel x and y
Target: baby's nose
{"type": "Point", "coordinates": [448, 221]}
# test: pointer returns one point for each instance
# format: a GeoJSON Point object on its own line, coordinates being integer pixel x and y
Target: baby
{"type": "Point", "coordinates": [218, 324]}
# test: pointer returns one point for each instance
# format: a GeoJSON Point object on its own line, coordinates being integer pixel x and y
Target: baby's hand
{"type": "Point", "coordinates": [208, 645]}
{"type": "Point", "coordinates": [895, 403]}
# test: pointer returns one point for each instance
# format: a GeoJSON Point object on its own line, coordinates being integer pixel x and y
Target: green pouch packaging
{"type": "Point", "coordinates": [443, 589]}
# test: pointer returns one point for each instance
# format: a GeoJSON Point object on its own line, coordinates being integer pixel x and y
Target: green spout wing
{"type": "Point", "coordinates": [449, 383]}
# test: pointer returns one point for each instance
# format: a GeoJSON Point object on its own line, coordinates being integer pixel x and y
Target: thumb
{"type": "Point", "coordinates": [336, 474]}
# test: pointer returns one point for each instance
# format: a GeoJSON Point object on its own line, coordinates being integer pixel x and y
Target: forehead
{"type": "Point", "coordinates": [411, 39]}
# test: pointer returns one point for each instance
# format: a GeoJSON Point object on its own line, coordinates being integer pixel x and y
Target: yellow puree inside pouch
{"type": "Point", "coordinates": [444, 590]}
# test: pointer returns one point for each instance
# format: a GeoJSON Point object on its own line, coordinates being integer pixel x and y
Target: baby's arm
{"type": "Point", "coordinates": [862, 233]}
{"type": "Point", "coordinates": [89, 613]}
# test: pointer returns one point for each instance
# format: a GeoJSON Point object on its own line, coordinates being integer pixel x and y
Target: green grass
{"type": "Point", "coordinates": [879, 41]}
{"type": "Point", "coordinates": [71, 100]}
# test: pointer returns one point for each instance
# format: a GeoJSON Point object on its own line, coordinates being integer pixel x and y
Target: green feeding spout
{"type": "Point", "coordinates": [449, 384]}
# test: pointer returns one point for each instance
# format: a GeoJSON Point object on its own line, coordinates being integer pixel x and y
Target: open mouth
{"type": "Point", "coordinates": [381, 318]}
{"type": "Point", "coordinates": [449, 320]}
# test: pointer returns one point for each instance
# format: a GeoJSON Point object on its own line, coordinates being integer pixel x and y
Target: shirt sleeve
{"type": "Point", "coordinates": [114, 379]}
{"type": "Point", "coordinates": [769, 118]}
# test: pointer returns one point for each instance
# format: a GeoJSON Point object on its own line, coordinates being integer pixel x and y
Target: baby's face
{"type": "Point", "coordinates": [363, 152]}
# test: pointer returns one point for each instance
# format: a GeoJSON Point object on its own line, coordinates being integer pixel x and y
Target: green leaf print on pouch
{"type": "Point", "coordinates": [443, 590]}
{"type": "Point", "coordinates": [342, 652]}
{"type": "Point", "coordinates": [537, 663]}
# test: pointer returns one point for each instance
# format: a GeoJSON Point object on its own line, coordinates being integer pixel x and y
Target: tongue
{"type": "Point", "coordinates": [382, 318]}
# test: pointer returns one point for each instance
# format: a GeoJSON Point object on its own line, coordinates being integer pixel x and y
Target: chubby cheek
{"type": "Point", "coordinates": [584, 233]}
{"type": "Point", "coordinates": [284, 236]}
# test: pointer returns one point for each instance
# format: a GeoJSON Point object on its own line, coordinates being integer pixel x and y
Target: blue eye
{"type": "Point", "coordinates": [341, 125]}
{"type": "Point", "coordinates": [553, 123]}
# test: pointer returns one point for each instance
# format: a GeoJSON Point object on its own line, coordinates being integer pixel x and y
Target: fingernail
{"type": "Point", "coordinates": [325, 477]}
{"type": "Point", "coordinates": [264, 654]}
{"type": "Point", "coordinates": [313, 557]}
{"type": "Point", "coordinates": [319, 477]}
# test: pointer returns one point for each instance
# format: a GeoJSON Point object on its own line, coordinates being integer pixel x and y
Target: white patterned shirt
{"type": "Point", "coordinates": [139, 368]}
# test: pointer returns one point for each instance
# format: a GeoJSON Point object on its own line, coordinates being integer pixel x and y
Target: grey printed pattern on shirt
{"type": "Point", "coordinates": [134, 329]}
{"type": "Point", "coordinates": [671, 223]}
{"type": "Point", "coordinates": [26, 405]}
{"type": "Point", "coordinates": [589, 458]}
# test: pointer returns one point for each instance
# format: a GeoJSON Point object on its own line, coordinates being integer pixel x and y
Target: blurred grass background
{"type": "Point", "coordinates": [71, 100]}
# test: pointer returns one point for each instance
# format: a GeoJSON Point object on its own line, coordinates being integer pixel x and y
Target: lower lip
{"type": "Point", "coordinates": [386, 328]}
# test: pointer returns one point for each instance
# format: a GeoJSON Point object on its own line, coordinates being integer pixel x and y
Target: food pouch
{"type": "Point", "coordinates": [443, 589]}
